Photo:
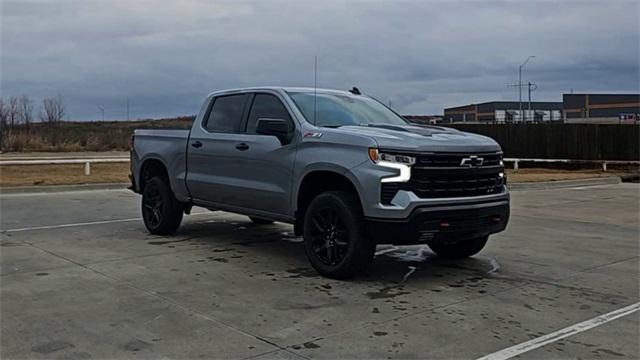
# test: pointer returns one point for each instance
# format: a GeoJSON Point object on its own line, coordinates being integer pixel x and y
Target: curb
{"type": "Point", "coordinates": [544, 185]}
{"type": "Point", "coordinates": [62, 188]}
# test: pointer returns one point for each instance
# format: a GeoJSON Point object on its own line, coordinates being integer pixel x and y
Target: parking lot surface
{"type": "Point", "coordinates": [81, 278]}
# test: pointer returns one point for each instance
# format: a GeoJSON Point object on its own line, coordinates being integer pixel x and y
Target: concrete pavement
{"type": "Point", "coordinates": [81, 278]}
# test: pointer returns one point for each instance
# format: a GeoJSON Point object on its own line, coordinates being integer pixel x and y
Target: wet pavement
{"type": "Point", "coordinates": [81, 278]}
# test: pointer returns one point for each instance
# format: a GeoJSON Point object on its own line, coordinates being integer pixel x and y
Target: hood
{"type": "Point", "coordinates": [424, 138]}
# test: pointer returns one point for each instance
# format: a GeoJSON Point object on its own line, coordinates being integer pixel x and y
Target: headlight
{"type": "Point", "coordinates": [377, 157]}
{"type": "Point", "coordinates": [393, 161]}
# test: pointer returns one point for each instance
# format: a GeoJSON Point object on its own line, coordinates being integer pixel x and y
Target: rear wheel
{"type": "Point", "coordinates": [161, 212]}
{"type": "Point", "coordinates": [260, 221]}
{"type": "Point", "coordinates": [459, 250]}
{"type": "Point", "coordinates": [334, 237]}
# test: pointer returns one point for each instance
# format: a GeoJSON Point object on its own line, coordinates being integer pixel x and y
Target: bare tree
{"type": "Point", "coordinates": [4, 114]}
{"type": "Point", "coordinates": [52, 110]}
{"type": "Point", "coordinates": [25, 110]}
{"type": "Point", "coordinates": [13, 112]}
{"type": "Point", "coordinates": [3, 122]}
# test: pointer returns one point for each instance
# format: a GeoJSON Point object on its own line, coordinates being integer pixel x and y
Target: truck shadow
{"type": "Point", "coordinates": [236, 239]}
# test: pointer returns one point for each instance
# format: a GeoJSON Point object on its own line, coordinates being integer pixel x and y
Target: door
{"type": "Point", "coordinates": [230, 164]}
{"type": "Point", "coordinates": [267, 163]}
{"type": "Point", "coordinates": [212, 165]}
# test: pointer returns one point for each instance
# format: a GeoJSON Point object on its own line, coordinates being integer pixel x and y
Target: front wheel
{"type": "Point", "coordinates": [161, 212]}
{"type": "Point", "coordinates": [334, 236]}
{"type": "Point", "coordinates": [461, 249]}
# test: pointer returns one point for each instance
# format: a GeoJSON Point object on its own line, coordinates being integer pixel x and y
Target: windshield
{"type": "Point", "coordinates": [333, 110]}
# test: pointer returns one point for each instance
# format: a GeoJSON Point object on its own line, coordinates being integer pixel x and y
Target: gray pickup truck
{"type": "Point", "coordinates": [348, 173]}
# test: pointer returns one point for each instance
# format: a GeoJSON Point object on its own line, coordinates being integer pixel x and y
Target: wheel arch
{"type": "Point", "coordinates": [149, 168]}
{"type": "Point", "coordinates": [317, 181]}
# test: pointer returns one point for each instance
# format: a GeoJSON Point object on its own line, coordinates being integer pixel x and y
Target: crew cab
{"type": "Point", "coordinates": [347, 171]}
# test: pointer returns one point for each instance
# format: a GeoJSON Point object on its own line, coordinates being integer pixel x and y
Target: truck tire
{"type": "Point", "coordinates": [260, 221]}
{"type": "Point", "coordinates": [334, 236]}
{"type": "Point", "coordinates": [161, 212]}
{"type": "Point", "coordinates": [460, 249]}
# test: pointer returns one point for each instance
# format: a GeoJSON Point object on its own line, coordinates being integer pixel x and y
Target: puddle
{"type": "Point", "coordinates": [387, 292]}
{"type": "Point", "coordinates": [412, 269]}
{"type": "Point", "coordinates": [419, 254]}
{"type": "Point", "coordinates": [487, 265]}
{"type": "Point", "coordinates": [302, 272]}
{"type": "Point", "coordinates": [383, 249]}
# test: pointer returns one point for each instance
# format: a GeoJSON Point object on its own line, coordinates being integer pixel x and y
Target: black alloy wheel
{"type": "Point", "coordinates": [152, 205]}
{"type": "Point", "coordinates": [161, 211]}
{"type": "Point", "coordinates": [329, 236]}
{"type": "Point", "coordinates": [334, 236]}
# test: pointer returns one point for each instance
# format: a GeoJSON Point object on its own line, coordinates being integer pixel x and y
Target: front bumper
{"type": "Point", "coordinates": [442, 223]}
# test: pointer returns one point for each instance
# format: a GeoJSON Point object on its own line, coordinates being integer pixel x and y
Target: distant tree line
{"type": "Point", "coordinates": [19, 111]}
{"type": "Point", "coordinates": [17, 120]}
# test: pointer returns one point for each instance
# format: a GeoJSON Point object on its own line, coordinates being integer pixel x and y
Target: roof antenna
{"type": "Point", "coordinates": [315, 86]}
{"type": "Point", "coordinates": [355, 91]}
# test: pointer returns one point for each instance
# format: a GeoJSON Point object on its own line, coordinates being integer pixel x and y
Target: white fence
{"type": "Point", "coordinates": [603, 163]}
{"type": "Point", "coordinates": [87, 162]}
{"type": "Point", "coordinates": [52, 161]}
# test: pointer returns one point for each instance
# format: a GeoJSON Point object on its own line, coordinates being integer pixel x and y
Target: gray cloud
{"type": "Point", "coordinates": [165, 56]}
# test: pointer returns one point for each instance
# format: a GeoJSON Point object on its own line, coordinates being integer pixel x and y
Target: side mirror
{"type": "Point", "coordinates": [280, 128]}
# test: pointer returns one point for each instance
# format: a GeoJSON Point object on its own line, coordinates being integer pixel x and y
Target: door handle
{"type": "Point", "coordinates": [242, 147]}
{"type": "Point", "coordinates": [196, 144]}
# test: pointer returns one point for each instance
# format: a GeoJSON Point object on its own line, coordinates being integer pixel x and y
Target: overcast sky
{"type": "Point", "coordinates": [165, 56]}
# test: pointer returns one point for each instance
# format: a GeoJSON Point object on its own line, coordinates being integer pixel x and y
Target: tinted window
{"type": "Point", "coordinates": [226, 114]}
{"type": "Point", "coordinates": [266, 106]}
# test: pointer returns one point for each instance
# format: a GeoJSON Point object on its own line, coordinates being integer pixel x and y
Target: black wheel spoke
{"type": "Point", "coordinates": [330, 238]}
{"type": "Point", "coordinates": [321, 219]}
{"type": "Point", "coordinates": [317, 224]}
{"type": "Point", "coordinates": [341, 243]}
{"type": "Point", "coordinates": [152, 206]}
{"type": "Point", "coordinates": [331, 255]}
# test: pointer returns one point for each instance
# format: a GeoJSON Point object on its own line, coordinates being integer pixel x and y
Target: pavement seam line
{"type": "Point", "coordinates": [626, 227]}
{"type": "Point", "coordinates": [526, 282]}
{"type": "Point", "coordinates": [96, 262]}
{"type": "Point", "coordinates": [154, 294]}
{"type": "Point", "coordinates": [88, 223]}
{"type": "Point", "coordinates": [431, 309]}
{"type": "Point", "coordinates": [574, 329]}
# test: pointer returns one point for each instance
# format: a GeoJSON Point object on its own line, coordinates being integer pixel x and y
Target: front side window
{"type": "Point", "coordinates": [266, 106]}
{"type": "Point", "coordinates": [226, 114]}
{"type": "Point", "coordinates": [334, 110]}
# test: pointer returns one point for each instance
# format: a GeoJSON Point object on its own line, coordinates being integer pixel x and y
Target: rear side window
{"type": "Point", "coordinates": [226, 114]}
{"type": "Point", "coordinates": [266, 106]}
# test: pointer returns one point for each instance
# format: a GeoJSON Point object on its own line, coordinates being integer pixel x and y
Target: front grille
{"type": "Point", "coordinates": [454, 160]}
{"type": "Point", "coordinates": [441, 175]}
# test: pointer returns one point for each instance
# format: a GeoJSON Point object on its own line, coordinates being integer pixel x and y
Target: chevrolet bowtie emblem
{"type": "Point", "coordinates": [472, 161]}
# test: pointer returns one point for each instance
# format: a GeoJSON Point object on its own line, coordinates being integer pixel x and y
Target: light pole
{"type": "Point", "coordinates": [520, 85]}
{"type": "Point", "coordinates": [531, 87]}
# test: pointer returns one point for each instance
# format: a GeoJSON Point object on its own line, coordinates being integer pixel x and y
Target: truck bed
{"type": "Point", "coordinates": [167, 146]}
